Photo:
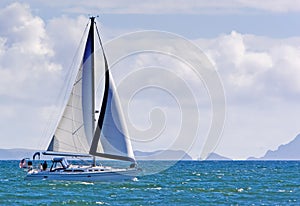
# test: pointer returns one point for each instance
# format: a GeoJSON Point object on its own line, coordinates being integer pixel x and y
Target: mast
{"type": "Point", "coordinates": [93, 77]}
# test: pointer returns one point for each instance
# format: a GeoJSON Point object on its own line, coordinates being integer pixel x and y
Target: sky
{"type": "Point", "coordinates": [254, 47]}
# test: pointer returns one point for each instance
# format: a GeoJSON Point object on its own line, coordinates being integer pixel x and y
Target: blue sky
{"type": "Point", "coordinates": [208, 25]}
{"type": "Point", "coordinates": [254, 45]}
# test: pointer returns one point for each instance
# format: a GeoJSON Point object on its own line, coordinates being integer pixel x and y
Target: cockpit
{"type": "Point", "coordinates": [59, 163]}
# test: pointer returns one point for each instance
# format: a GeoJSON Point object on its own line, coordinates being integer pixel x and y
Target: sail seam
{"type": "Point", "coordinates": [73, 120]}
{"type": "Point", "coordinates": [77, 81]}
{"type": "Point", "coordinates": [77, 129]}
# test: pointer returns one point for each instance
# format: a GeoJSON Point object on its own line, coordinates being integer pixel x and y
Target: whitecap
{"type": "Point", "coordinates": [240, 190]}
{"type": "Point", "coordinates": [87, 183]}
{"type": "Point", "coordinates": [100, 203]}
{"type": "Point", "coordinates": [135, 179]}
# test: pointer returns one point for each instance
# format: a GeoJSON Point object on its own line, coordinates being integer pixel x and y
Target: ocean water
{"type": "Point", "coordinates": [185, 183]}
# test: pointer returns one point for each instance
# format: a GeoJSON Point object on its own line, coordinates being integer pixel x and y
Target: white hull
{"type": "Point", "coordinates": [108, 174]}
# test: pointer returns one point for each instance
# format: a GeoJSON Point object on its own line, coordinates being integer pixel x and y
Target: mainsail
{"type": "Point", "coordinates": [76, 131]}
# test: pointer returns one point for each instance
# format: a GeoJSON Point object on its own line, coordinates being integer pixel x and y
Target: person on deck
{"type": "Point", "coordinates": [45, 165]}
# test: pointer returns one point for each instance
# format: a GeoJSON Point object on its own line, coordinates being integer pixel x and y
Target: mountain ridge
{"type": "Point", "coordinates": [289, 151]}
{"type": "Point", "coordinates": [19, 153]}
{"type": "Point", "coordinates": [215, 156]}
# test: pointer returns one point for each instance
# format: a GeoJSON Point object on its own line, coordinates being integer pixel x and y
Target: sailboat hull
{"type": "Point", "coordinates": [105, 175]}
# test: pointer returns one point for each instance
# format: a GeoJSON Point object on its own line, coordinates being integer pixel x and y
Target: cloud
{"type": "Point", "coordinates": [157, 88]}
{"type": "Point", "coordinates": [35, 59]}
{"type": "Point", "coordinates": [27, 72]}
{"type": "Point", "coordinates": [25, 54]}
{"type": "Point", "coordinates": [260, 74]}
{"type": "Point", "coordinates": [254, 65]}
{"type": "Point", "coordinates": [261, 80]}
{"type": "Point", "coordinates": [64, 37]}
{"type": "Point", "coordinates": [271, 5]}
{"type": "Point", "coordinates": [176, 7]}
{"type": "Point", "coordinates": [286, 75]}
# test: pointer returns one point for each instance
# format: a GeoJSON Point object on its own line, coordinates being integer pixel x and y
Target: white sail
{"type": "Point", "coordinates": [75, 130]}
{"type": "Point", "coordinates": [114, 140]}
{"type": "Point", "coordinates": [88, 87]}
{"type": "Point", "coordinates": [70, 135]}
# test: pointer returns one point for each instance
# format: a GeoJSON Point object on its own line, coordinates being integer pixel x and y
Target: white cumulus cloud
{"type": "Point", "coordinates": [27, 72]}
{"type": "Point", "coordinates": [25, 55]}
{"type": "Point", "coordinates": [261, 80]}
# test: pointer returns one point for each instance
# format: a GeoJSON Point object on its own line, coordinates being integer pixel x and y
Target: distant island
{"type": "Point", "coordinates": [17, 154]}
{"type": "Point", "coordinates": [289, 151]}
{"type": "Point", "coordinates": [215, 156]}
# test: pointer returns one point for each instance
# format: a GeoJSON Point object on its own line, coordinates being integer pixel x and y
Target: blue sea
{"type": "Point", "coordinates": [184, 183]}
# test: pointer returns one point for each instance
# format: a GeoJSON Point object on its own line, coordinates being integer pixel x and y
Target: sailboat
{"type": "Point", "coordinates": [79, 134]}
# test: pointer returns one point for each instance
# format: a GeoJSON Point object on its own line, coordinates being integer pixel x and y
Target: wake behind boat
{"type": "Point", "coordinates": [78, 133]}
